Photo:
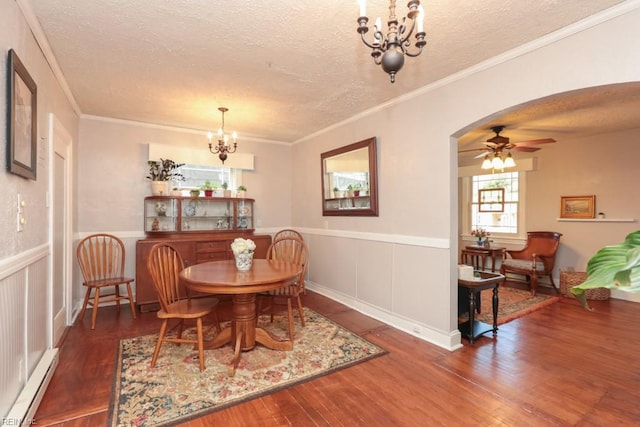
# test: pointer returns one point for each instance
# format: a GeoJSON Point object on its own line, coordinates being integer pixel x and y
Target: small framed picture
{"type": "Point", "coordinates": [577, 206]}
{"type": "Point", "coordinates": [22, 126]}
{"type": "Point", "coordinates": [491, 200]}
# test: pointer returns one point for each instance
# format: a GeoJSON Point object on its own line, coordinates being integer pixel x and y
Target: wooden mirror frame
{"type": "Point", "coordinates": [327, 203]}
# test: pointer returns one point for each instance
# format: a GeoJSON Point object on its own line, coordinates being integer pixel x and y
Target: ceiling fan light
{"type": "Point", "coordinates": [486, 163]}
{"type": "Point", "coordinates": [497, 162]}
{"type": "Point", "coordinates": [509, 162]}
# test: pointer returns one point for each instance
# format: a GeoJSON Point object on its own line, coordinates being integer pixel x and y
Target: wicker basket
{"type": "Point", "coordinates": [569, 279]}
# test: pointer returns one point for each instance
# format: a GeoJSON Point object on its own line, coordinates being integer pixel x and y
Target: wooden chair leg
{"type": "Point", "coordinates": [133, 307]}
{"type": "Point", "coordinates": [180, 327]}
{"type": "Point", "coordinates": [118, 297]}
{"type": "Point", "coordinates": [163, 329]}
{"type": "Point", "coordinates": [96, 303]}
{"type": "Point", "coordinates": [215, 317]}
{"type": "Point", "coordinates": [84, 304]}
{"type": "Point", "coordinates": [534, 284]}
{"type": "Point", "coordinates": [300, 311]}
{"type": "Point", "coordinates": [200, 343]}
{"type": "Point", "coordinates": [290, 314]}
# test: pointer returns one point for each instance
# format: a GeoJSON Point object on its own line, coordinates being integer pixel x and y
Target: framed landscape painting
{"type": "Point", "coordinates": [22, 132]}
{"type": "Point", "coordinates": [577, 206]}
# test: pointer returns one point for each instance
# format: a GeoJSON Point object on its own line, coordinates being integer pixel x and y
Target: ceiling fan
{"type": "Point", "coordinates": [497, 144]}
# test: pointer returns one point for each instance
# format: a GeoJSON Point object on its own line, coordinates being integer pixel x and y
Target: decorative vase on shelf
{"type": "Point", "coordinates": [479, 242]}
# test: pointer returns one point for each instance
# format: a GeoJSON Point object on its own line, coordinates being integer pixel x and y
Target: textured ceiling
{"type": "Point", "coordinates": [284, 69]}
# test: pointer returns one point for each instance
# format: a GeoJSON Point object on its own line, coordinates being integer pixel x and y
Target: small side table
{"type": "Point", "coordinates": [472, 329]}
{"type": "Point", "coordinates": [494, 253]}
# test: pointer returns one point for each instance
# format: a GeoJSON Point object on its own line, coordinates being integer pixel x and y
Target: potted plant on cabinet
{"type": "Point", "coordinates": [160, 173]}
{"type": "Point", "coordinates": [208, 188]}
{"type": "Point", "coordinates": [337, 193]}
{"type": "Point", "coordinates": [226, 191]}
{"type": "Point", "coordinates": [241, 191]}
{"type": "Point", "coordinates": [194, 193]}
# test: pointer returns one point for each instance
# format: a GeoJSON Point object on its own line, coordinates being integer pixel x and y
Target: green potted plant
{"type": "Point", "coordinates": [356, 189]}
{"type": "Point", "coordinates": [350, 190]}
{"type": "Point", "coordinates": [242, 190]}
{"type": "Point", "coordinates": [613, 267]}
{"type": "Point", "coordinates": [194, 192]}
{"type": "Point", "coordinates": [225, 189]}
{"type": "Point", "coordinates": [208, 188]}
{"type": "Point", "coordinates": [337, 193]}
{"type": "Point", "coordinates": [160, 173]}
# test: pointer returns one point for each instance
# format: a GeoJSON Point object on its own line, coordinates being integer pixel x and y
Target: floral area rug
{"type": "Point", "coordinates": [175, 390]}
{"type": "Point", "coordinates": [512, 304]}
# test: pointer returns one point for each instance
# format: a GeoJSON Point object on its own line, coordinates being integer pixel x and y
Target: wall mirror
{"type": "Point", "coordinates": [350, 180]}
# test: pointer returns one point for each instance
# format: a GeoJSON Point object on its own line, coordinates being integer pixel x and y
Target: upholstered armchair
{"type": "Point", "coordinates": [536, 259]}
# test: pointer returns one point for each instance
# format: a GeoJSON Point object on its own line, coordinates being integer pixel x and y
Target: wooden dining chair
{"type": "Point", "coordinates": [293, 250]}
{"type": "Point", "coordinates": [287, 232]}
{"type": "Point", "coordinates": [101, 258]}
{"type": "Point", "coordinates": [164, 265]}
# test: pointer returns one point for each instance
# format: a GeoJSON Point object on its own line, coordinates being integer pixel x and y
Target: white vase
{"type": "Point", "coordinates": [244, 261]}
{"type": "Point", "coordinates": [160, 188]}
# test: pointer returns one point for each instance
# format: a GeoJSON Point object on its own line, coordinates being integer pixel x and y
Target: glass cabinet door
{"type": "Point", "coordinates": [160, 214]}
{"type": "Point", "coordinates": [244, 217]}
{"type": "Point", "coordinates": [207, 214]}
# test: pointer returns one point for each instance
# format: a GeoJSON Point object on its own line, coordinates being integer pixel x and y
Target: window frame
{"type": "Point", "coordinates": [467, 204]}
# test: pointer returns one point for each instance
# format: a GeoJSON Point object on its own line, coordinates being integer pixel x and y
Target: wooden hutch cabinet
{"type": "Point", "coordinates": [201, 229]}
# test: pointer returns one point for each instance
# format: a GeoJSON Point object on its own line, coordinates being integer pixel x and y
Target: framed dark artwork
{"type": "Point", "coordinates": [577, 206]}
{"type": "Point", "coordinates": [22, 125]}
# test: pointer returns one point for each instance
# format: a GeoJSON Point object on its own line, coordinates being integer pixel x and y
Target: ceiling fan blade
{"type": "Point", "coordinates": [473, 149]}
{"type": "Point", "coordinates": [486, 153]}
{"type": "Point", "coordinates": [534, 142]}
{"type": "Point", "coordinates": [525, 148]}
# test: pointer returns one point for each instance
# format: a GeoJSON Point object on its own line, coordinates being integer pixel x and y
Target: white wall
{"type": "Point", "coordinates": [24, 256]}
{"type": "Point", "coordinates": [415, 282]}
{"type": "Point", "coordinates": [112, 169]}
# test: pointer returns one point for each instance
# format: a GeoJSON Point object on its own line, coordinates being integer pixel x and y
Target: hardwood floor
{"type": "Point", "coordinates": [561, 365]}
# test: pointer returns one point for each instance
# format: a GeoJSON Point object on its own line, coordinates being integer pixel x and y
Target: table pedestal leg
{"type": "Point", "coordinates": [244, 334]}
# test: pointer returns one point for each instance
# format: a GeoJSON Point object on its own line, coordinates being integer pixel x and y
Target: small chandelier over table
{"type": "Point", "coordinates": [389, 50]}
{"type": "Point", "coordinates": [222, 148]}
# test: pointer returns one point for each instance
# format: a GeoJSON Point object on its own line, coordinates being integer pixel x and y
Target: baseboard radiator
{"type": "Point", "coordinates": [24, 408]}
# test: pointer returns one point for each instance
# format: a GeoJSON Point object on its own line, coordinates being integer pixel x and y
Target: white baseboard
{"type": "Point", "coordinates": [26, 405]}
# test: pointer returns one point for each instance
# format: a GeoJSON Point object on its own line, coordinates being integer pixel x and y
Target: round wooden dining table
{"type": "Point", "coordinates": [223, 278]}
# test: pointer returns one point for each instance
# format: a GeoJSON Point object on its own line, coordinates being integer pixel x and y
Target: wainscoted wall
{"type": "Point", "coordinates": [376, 273]}
{"type": "Point", "coordinates": [24, 314]}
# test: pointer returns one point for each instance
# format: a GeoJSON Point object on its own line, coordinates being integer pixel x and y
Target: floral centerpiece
{"type": "Point", "coordinates": [480, 234]}
{"type": "Point", "coordinates": [243, 252]}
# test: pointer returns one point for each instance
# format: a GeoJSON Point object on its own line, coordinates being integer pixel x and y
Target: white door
{"type": "Point", "coordinates": [61, 229]}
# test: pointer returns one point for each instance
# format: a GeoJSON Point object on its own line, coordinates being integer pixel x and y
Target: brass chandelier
{"type": "Point", "coordinates": [389, 50]}
{"type": "Point", "coordinates": [222, 148]}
